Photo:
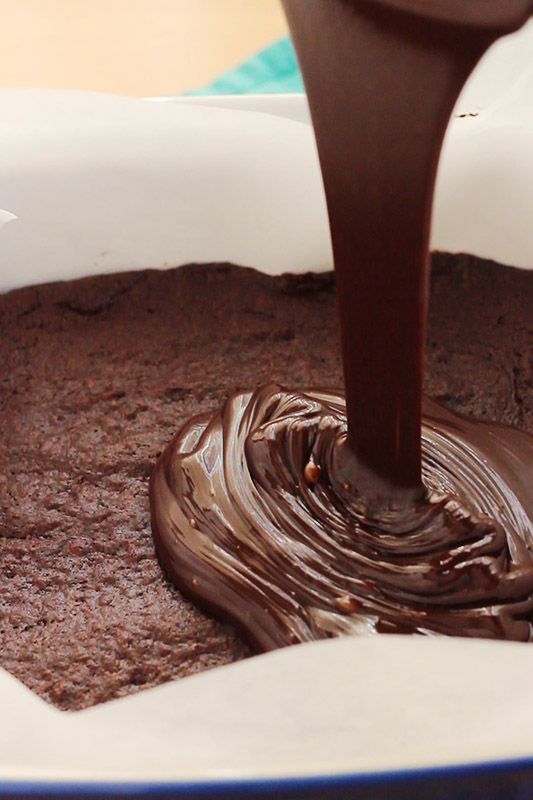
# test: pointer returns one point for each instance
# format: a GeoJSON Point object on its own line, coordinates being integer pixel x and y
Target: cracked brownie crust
{"type": "Point", "coordinates": [96, 377]}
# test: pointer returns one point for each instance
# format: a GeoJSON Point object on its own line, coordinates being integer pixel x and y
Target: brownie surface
{"type": "Point", "coordinates": [99, 373]}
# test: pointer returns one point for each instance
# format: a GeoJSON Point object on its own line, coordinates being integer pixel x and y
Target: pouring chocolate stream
{"type": "Point", "coordinates": [299, 515]}
{"type": "Point", "coordinates": [382, 83]}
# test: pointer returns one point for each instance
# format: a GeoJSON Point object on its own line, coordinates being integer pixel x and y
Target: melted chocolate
{"type": "Point", "coordinates": [289, 553]}
{"type": "Point", "coordinates": [300, 516]}
{"type": "Point", "coordinates": [381, 85]}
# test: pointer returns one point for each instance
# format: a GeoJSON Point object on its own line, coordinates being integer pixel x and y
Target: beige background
{"type": "Point", "coordinates": [134, 47]}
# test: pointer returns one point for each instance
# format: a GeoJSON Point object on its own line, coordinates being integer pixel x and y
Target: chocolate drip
{"type": "Point", "coordinates": [290, 554]}
{"type": "Point", "coordinates": [381, 85]}
{"type": "Point", "coordinates": [300, 515]}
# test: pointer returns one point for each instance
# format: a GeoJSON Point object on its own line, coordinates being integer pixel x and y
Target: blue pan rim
{"type": "Point", "coordinates": [235, 787]}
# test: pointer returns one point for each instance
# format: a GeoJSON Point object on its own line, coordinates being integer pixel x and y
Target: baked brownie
{"type": "Point", "coordinates": [99, 373]}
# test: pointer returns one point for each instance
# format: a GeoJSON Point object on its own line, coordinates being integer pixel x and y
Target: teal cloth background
{"type": "Point", "coordinates": [272, 71]}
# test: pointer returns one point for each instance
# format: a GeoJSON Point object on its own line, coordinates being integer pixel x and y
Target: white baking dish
{"type": "Point", "coordinates": [100, 184]}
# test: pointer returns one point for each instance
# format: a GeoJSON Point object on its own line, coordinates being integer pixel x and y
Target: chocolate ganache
{"type": "Point", "coordinates": [300, 514]}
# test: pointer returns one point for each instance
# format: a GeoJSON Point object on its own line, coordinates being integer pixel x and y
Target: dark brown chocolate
{"type": "Point", "coordinates": [382, 78]}
{"type": "Point", "coordinates": [247, 470]}
{"type": "Point", "coordinates": [403, 527]}
{"type": "Point", "coordinates": [241, 530]}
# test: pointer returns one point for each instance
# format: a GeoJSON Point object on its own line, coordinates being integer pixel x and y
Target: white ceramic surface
{"type": "Point", "coordinates": [100, 184]}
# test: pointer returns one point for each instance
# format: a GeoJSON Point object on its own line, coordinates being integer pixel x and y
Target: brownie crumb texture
{"type": "Point", "coordinates": [98, 374]}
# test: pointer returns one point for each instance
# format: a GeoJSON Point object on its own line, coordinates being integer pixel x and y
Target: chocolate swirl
{"type": "Point", "coordinates": [252, 520]}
